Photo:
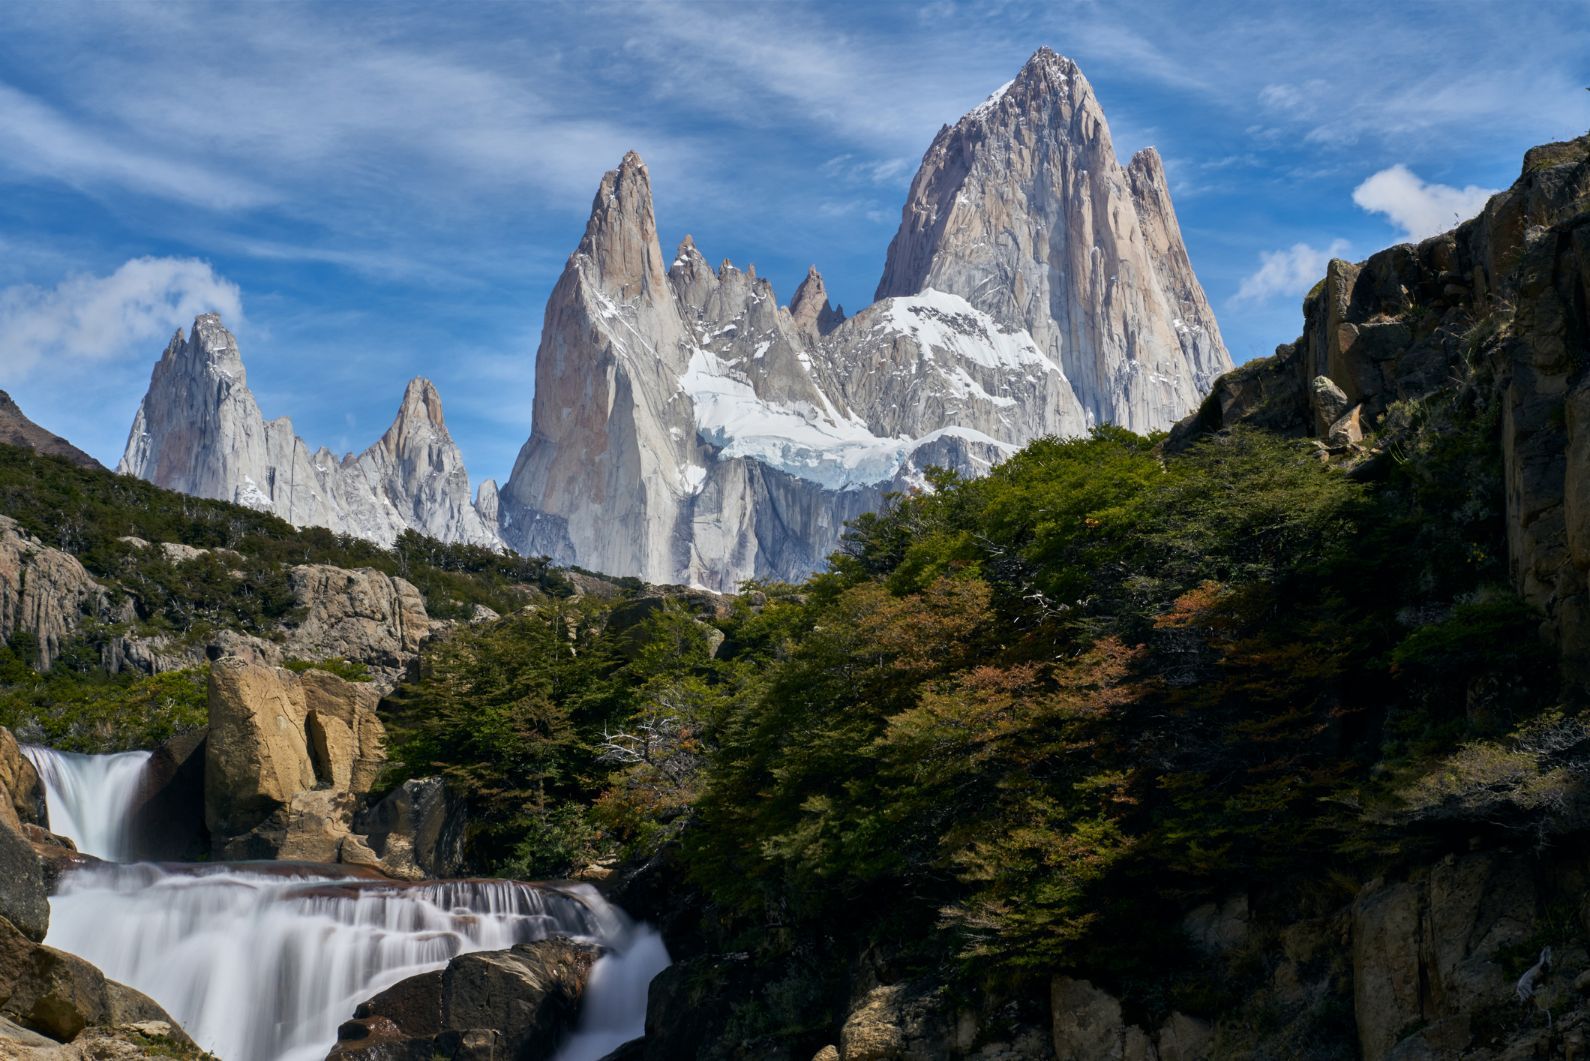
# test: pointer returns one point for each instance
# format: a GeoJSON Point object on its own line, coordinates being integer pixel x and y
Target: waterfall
{"type": "Point", "coordinates": [263, 961]}
{"type": "Point", "coordinates": [90, 797]}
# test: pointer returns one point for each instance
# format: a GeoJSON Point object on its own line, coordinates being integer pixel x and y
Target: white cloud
{"type": "Point", "coordinates": [99, 318]}
{"type": "Point", "coordinates": [1419, 209]}
{"type": "Point", "coordinates": [1287, 272]}
{"type": "Point", "coordinates": [39, 141]}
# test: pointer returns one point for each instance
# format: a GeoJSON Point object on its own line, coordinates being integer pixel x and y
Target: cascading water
{"type": "Point", "coordinates": [89, 797]}
{"type": "Point", "coordinates": [263, 961]}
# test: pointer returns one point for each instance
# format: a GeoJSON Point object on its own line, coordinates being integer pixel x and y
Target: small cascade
{"type": "Point", "coordinates": [90, 798]}
{"type": "Point", "coordinates": [263, 961]}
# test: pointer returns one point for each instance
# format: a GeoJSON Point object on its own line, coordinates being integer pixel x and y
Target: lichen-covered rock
{"type": "Point", "coordinates": [45, 592]}
{"type": "Point", "coordinates": [59, 994]}
{"type": "Point", "coordinates": [24, 895]}
{"type": "Point", "coordinates": [361, 614]}
{"type": "Point", "coordinates": [1087, 1022]}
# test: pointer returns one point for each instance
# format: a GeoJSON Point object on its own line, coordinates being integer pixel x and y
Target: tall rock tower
{"type": "Point", "coordinates": [1022, 209]}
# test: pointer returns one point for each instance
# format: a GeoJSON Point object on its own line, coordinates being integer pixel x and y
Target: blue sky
{"type": "Point", "coordinates": [369, 192]}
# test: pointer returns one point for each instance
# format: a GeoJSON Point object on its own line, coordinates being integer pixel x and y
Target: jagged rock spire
{"type": "Point", "coordinates": [200, 431]}
{"type": "Point", "coordinates": [1022, 209]}
{"type": "Point", "coordinates": [810, 307]}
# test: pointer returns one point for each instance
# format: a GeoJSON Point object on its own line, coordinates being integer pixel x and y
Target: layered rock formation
{"type": "Point", "coordinates": [200, 431]}
{"type": "Point", "coordinates": [1022, 209]}
{"type": "Point", "coordinates": [1489, 317]}
{"type": "Point", "coordinates": [46, 593]}
{"type": "Point", "coordinates": [689, 429]}
{"type": "Point", "coordinates": [17, 430]}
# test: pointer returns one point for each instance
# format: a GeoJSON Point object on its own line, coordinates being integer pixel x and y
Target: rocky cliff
{"type": "Point", "coordinates": [688, 428]}
{"type": "Point", "coordinates": [200, 431]}
{"type": "Point", "coordinates": [17, 430]}
{"type": "Point", "coordinates": [1490, 320]}
{"type": "Point", "coordinates": [1022, 209]}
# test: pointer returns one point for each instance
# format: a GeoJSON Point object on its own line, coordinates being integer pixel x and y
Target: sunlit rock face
{"type": "Point", "coordinates": [1022, 209]}
{"type": "Point", "coordinates": [200, 431]}
{"type": "Point", "coordinates": [687, 428]}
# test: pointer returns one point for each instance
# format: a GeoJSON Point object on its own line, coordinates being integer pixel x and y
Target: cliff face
{"type": "Point", "coordinates": [1022, 209]}
{"type": "Point", "coordinates": [687, 428]}
{"type": "Point", "coordinates": [1493, 313]}
{"type": "Point", "coordinates": [200, 431]}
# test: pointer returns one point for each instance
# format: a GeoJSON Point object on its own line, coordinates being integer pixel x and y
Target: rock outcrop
{"type": "Point", "coordinates": [46, 593]}
{"type": "Point", "coordinates": [1022, 209]}
{"type": "Point", "coordinates": [284, 758]}
{"type": "Point", "coordinates": [514, 1003]}
{"type": "Point", "coordinates": [689, 429]}
{"type": "Point", "coordinates": [200, 431]}
{"type": "Point", "coordinates": [1496, 314]}
{"type": "Point", "coordinates": [17, 430]}
{"type": "Point", "coordinates": [356, 614]}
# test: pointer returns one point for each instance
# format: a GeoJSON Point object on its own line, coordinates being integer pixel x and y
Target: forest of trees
{"type": "Point", "coordinates": [1024, 721]}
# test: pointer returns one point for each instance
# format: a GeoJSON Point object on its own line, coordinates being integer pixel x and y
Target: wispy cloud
{"type": "Point", "coordinates": [1288, 272]}
{"type": "Point", "coordinates": [38, 141]}
{"type": "Point", "coordinates": [1418, 208]}
{"type": "Point", "coordinates": [96, 318]}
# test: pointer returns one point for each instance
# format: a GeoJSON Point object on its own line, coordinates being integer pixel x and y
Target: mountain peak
{"type": "Point", "coordinates": [420, 397]}
{"type": "Point", "coordinates": [17, 430]}
{"type": "Point", "coordinates": [621, 235]}
{"type": "Point", "coordinates": [810, 307]}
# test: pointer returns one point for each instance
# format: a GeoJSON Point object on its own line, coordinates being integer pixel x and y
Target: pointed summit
{"type": "Point", "coordinates": [621, 235]}
{"type": "Point", "coordinates": [200, 431]}
{"type": "Point", "coordinates": [1022, 209]}
{"type": "Point", "coordinates": [420, 399]}
{"type": "Point", "coordinates": [810, 308]}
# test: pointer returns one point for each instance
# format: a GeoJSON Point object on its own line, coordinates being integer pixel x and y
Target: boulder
{"type": "Point", "coordinates": [24, 898]}
{"type": "Point", "coordinates": [897, 1022]}
{"type": "Point", "coordinates": [284, 756]}
{"type": "Point", "coordinates": [59, 994]}
{"type": "Point", "coordinates": [1218, 928]}
{"type": "Point", "coordinates": [1329, 401]}
{"type": "Point", "coordinates": [19, 784]}
{"type": "Point", "coordinates": [257, 756]}
{"type": "Point", "coordinates": [417, 831]}
{"type": "Point", "coordinates": [487, 1006]}
{"type": "Point", "coordinates": [1087, 1022]}
{"type": "Point", "coordinates": [363, 614]}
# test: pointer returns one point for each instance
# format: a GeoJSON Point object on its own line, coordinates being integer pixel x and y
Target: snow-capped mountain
{"type": "Point", "coordinates": [687, 428]}
{"type": "Point", "coordinates": [200, 431]}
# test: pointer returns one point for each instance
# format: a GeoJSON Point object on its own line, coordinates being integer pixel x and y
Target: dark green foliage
{"type": "Point", "coordinates": [88, 511]}
{"type": "Point", "coordinates": [347, 670]}
{"type": "Point", "coordinates": [86, 711]}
